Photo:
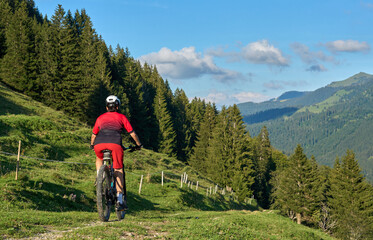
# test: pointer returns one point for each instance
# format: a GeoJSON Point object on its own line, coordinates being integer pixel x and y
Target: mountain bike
{"type": "Point", "coordinates": [106, 191]}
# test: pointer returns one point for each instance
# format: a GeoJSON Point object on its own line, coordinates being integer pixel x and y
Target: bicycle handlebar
{"type": "Point", "coordinates": [132, 148]}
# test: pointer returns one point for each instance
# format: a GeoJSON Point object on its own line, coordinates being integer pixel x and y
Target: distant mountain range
{"type": "Point", "coordinates": [326, 122]}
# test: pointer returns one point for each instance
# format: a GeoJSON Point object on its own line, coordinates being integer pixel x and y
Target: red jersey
{"type": "Point", "coordinates": [109, 126]}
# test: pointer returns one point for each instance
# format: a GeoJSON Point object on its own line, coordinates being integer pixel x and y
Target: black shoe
{"type": "Point", "coordinates": [120, 207]}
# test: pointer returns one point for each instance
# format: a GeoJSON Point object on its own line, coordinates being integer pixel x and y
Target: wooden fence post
{"type": "Point", "coordinates": [162, 178]}
{"type": "Point", "coordinates": [181, 181]}
{"type": "Point", "coordinates": [197, 186]}
{"type": "Point", "coordinates": [142, 176]}
{"type": "Point", "coordinates": [19, 153]}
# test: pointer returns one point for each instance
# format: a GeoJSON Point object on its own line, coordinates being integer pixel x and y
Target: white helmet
{"type": "Point", "coordinates": [112, 101]}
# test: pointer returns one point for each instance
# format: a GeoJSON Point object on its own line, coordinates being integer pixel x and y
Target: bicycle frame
{"type": "Point", "coordinates": [107, 160]}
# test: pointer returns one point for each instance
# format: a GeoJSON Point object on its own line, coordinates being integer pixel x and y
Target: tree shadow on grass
{"type": "Point", "coordinates": [52, 197]}
{"type": "Point", "coordinates": [136, 203]}
{"type": "Point", "coordinates": [34, 145]}
{"type": "Point", "coordinates": [9, 107]}
{"type": "Point", "coordinates": [6, 166]}
{"type": "Point", "coordinates": [216, 202]}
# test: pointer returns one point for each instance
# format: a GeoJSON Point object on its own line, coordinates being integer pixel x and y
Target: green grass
{"type": "Point", "coordinates": [318, 108]}
{"type": "Point", "coordinates": [192, 224]}
{"type": "Point", "coordinates": [57, 199]}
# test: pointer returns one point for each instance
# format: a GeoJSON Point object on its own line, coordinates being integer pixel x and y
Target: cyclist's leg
{"type": "Point", "coordinates": [118, 173]}
{"type": "Point", "coordinates": [99, 155]}
{"type": "Point", "coordinates": [117, 153]}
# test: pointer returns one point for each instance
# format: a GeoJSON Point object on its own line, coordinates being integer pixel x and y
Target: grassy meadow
{"type": "Point", "coordinates": [56, 199]}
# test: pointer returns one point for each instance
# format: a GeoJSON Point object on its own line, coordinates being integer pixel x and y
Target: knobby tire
{"type": "Point", "coordinates": [104, 202]}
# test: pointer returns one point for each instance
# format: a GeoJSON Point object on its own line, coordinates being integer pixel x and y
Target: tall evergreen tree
{"type": "Point", "coordinates": [18, 65]}
{"type": "Point", "coordinates": [296, 187]}
{"type": "Point", "coordinates": [264, 165]}
{"type": "Point", "coordinates": [230, 156]}
{"type": "Point", "coordinates": [70, 73]}
{"type": "Point", "coordinates": [5, 13]}
{"type": "Point", "coordinates": [351, 200]}
{"type": "Point", "coordinates": [93, 69]}
{"type": "Point", "coordinates": [135, 85]}
{"type": "Point", "coordinates": [54, 37]}
{"type": "Point", "coordinates": [200, 156]}
{"type": "Point", "coordinates": [196, 111]}
{"type": "Point", "coordinates": [152, 77]}
{"type": "Point", "coordinates": [167, 135]}
{"type": "Point", "coordinates": [182, 125]}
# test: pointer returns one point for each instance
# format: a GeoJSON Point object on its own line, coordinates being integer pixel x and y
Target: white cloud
{"type": "Point", "coordinates": [308, 56]}
{"type": "Point", "coordinates": [222, 98]}
{"type": "Point", "coordinates": [250, 97]}
{"type": "Point", "coordinates": [347, 46]}
{"type": "Point", "coordinates": [187, 63]}
{"type": "Point", "coordinates": [262, 52]}
{"type": "Point", "coordinates": [217, 97]}
{"type": "Point", "coordinates": [276, 85]}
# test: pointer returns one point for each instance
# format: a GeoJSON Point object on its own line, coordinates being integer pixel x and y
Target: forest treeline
{"type": "Point", "coordinates": [65, 64]}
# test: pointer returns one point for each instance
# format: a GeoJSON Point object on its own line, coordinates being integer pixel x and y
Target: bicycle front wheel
{"type": "Point", "coordinates": [104, 201]}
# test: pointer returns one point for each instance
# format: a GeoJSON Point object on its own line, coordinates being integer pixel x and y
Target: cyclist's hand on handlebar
{"type": "Point", "coordinates": [138, 147]}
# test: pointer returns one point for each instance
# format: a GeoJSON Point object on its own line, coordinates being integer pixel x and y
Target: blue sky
{"type": "Point", "coordinates": [237, 51]}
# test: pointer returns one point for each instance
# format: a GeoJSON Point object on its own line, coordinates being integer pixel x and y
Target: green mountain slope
{"type": "Point", "coordinates": [294, 99]}
{"type": "Point", "coordinates": [330, 125]}
{"type": "Point", "coordinates": [57, 199]}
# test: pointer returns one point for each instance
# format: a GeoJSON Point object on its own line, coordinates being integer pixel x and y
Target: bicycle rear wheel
{"type": "Point", "coordinates": [104, 201]}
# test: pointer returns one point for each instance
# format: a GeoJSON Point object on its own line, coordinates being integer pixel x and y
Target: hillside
{"type": "Point", "coordinates": [58, 197]}
{"type": "Point", "coordinates": [327, 122]}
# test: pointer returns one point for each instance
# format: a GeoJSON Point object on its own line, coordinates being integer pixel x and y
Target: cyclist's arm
{"type": "Point", "coordinates": [93, 138]}
{"type": "Point", "coordinates": [136, 138]}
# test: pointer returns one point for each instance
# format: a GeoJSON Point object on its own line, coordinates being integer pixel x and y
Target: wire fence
{"type": "Point", "coordinates": [184, 181]}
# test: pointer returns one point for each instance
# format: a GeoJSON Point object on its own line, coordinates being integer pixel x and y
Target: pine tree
{"type": "Point", "coordinates": [351, 200]}
{"type": "Point", "coordinates": [54, 35]}
{"type": "Point", "coordinates": [152, 77]}
{"type": "Point", "coordinates": [182, 125]}
{"type": "Point", "coordinates": [18, 65]}
{"type": "Point", "coordinates": [135, 86]}
{"type": "Point", "coordinates": [166, 135]}
{"type": "Point", "coordinates": [93, 69]}
{"type": "Point", "coordinates": [199, 158]}
{"type": "Point", "coordinates": [69, 87]}
{"type": "Point", "coordinates": [5, 13]}
{"type": "Point", "coordinates": [196, 111]}
{"type": "Point", "coordinates": [243, 155]}
{"type": "Point", "coordinates": [230, 157]}
{"type": "Point", "coordinates": [323, 216]}
{"type": "Point", "coordinates": [295, 191]}
{"type": "Point", "coordinates": [264, 165]}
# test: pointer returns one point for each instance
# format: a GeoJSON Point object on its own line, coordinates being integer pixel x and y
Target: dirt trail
{"type": "Point", "coordinates": [55, 234]}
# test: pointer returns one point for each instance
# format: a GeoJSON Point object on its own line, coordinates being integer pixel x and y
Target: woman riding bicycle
{"type": "Point", "coordinates": [106, 134]}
